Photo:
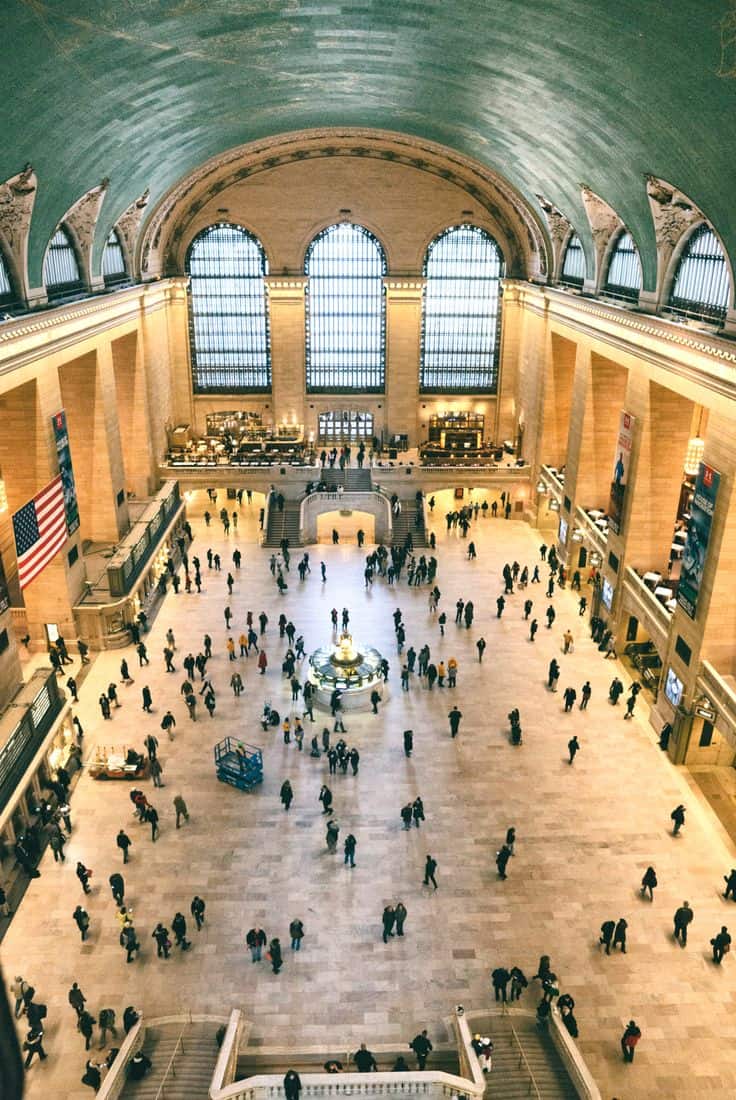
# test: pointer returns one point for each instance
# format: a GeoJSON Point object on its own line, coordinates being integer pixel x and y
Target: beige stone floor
{"type": "Point", "coordinates": [585, 836]}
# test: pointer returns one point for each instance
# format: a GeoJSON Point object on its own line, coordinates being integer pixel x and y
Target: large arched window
{"type": "Point", "coordinates": [623, 279]}
{"type": "Point", "coordinates": [231, 346]}
{"type": "Point", "coordinates": [573, 265]}
{"type": "Point", "coordinates": [702, 284]}
{"type": "Point", "coordinates": [346, 311]}
{"type": "Point", "coordinates": [61, 274]}
{"type": "Point", "coordinates": [7, 294]}
{"type": "Point", "coordinates": [113, 261]}
{"type": "Point", "coordinates": [462, 312]}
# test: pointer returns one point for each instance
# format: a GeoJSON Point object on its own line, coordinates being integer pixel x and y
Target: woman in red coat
{"type": "Point", "coordinates": [262, 662]}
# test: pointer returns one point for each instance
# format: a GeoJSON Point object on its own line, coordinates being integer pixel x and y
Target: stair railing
{"type": "Point", "coordinates": [523, 1061]}
{"type": "Point", "coordinates": [178, 1047]}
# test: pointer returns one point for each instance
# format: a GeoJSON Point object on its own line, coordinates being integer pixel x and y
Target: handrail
{"type": "Point", "coordinates": [523, 1058]}
{"type": "Point", "coordinates": [116, 1076]}
{"type": "Point", "coordinates": [171, 1061]}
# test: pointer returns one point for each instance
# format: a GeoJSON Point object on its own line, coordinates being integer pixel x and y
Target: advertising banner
{"type": "Point", "coordinates": [71, 508]}
{"type": "Point", "coordinates": [698, 536]}
{"type": "Point", "coordinates": [4, 594]}
{"type": "Point", "coordinates": [621, 472]}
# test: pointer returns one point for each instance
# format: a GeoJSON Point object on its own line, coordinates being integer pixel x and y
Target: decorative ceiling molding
{"type": "Point", "coordinates": [559, 230]}
{"type": "Point", "coordinates": [168, 223]}
{"type": "Point", "coordinates": [81, 219]}
{"type": "Point", "coordinates": [17, 196]}
{"type": "Point", "coordinates": [128, 227]}
{"type": "Point", "coordinates": [604, 222]}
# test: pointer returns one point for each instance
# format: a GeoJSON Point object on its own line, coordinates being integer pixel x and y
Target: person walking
{"type": "Point", "coordinates": [721, 944]}
{"type": "Point", "coordinates": [573, 746]}
{"type": "Point", "coordinates": [400, 917]}
{"type": "Point", "coordinates": [197, 909]}
{"type": "Point", "coordinates": [333, 831]}
{"type": "Point", "coordinates": [152, 819]}
{"type": "Point", "coordinates": [533, 628]}
{"type": "Point", "coordinates": [325, 797]}
{"type": "Point", "coordinates": [34, 1045]}
{"type": "Point", "coordinates": [76, 998]}
{"type": "Point", "coordinates": [619, 935]}
{"type": "Point", "coordinates": [730, 881]}
{"type": "Point", "coordinates": [682, 919]}
{"type": "Point", "coordinates": [365, 1060]}
{"type": "Point", "coordinates": [500, 978]}
{"type": "Point", "coordinates": [629, 1040]}
{"type": "Point", "coordinates": [81, 919]}
{"type": "Point", "coordinates": [256, 940]}
{"type": "Point", "coordinates": [586, 691]}
{"type": "Point", "coordinates": [350, 844]}
{"type": "Point", "coordinates": [422, 1047]}
{"type": "Point", "coordinates": [85, 1025]}
{"type": "Point", "coordinates": [296, 931]}
{"type": "Point", "coordinates": [179, 928]}
{"type": "Point", "coordinates": [156, 772]}
{"type": "Point", "coordinates": [274, 953]}
{"type": "Point", "coordinates": [502, 858]}
{"type": "Point", "coordinates": [163, 943]}
{"type": "Point", "coordinates": [83, 874]}
{"type": "Point", "coordinates": [417, 810]}
{"type": "Point", "coordinates": [105, 1023]}
{"type": "Point", "coordinates": [607, 929]}
{"type": "Point", "coordinates": [430, 869]}
{"type": "Point", "coordinates": [286, 794]}
{"type": "Point", "coordinates": [454, 716]}
{"type": "Point", "coordinates": [123, 842]}
{"type": "Point", "coordinates": [678, 818]}
{"type": "Point", "coordinates": [649, 882]}
{"type": "Point", "coordinates": [117, 886]}
{"type": "Point", "coordinates": [388, 919]}
{"type": "Point", "coordinates": [409, 743]}
{"type": "Point", "coordinates": [180, 807]}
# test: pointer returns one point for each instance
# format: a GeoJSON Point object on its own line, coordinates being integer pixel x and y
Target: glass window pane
{"type": "Point", "coordinates": [113, 260]}
{"type": "Point", "coordinates": [346, 311]}
{"type": "Point", "coordinates": [60, 267]}
{"type": "Point", "coordinates": [345, 426]}
{"type": "Point", "coordinates": [462, 312]}
{"type": "Point", "coordinates": [6, 287]}
{"type": "Point", "coordinates": [624, 270]}
{"type": "Point", "coordinates": [573, 266]}
{"type": "Point", "coordinates": [702, 284]}
{"type": "Point", "coordinates": [230, 337]}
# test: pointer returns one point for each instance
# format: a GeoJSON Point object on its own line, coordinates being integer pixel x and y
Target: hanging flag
{"type": "Point", "coordinates": [40, 531]}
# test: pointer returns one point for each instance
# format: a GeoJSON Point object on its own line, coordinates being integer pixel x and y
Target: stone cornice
{"type": "Point", "coordinates": [637, 334]}
{"type": "Point", "coordinates": [29, 338]}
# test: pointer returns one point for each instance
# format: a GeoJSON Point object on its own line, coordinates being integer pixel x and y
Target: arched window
{"type": "Point", "coordinates": [113, 261]}
{"type": "Point", "coordinates": [624, 269]}
{"type": "Point", "coordinates": [462, 313]}
{"type": "Point", "coordinates": [702, 284]}
{"type": "Point", "coordinates": [60, 266]}
{"type": "Point", "coordinates": [573, 265]}
{"type": "Point", "coordinates": [230, 338]}
{"type": "Point", "coordinates": [346, 311]}
{"type": "Point", "coordinates": [7, 294]}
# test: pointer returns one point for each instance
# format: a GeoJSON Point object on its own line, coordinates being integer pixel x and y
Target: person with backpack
{"type": "Point", "coordinates": [629, 1039]}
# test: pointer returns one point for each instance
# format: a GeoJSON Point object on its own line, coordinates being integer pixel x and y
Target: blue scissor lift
{"type": "Point", "coordinates": [239, 764]}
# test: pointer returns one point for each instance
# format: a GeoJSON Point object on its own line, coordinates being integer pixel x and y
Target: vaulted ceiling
{"type": "Point", "coordinates": [551, 94]}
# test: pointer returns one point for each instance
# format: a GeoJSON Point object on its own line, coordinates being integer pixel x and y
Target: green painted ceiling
{"type": "Point", "coordinates": [550, 93]}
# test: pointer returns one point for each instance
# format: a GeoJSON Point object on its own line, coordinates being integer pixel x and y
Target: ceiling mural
{"type": "Point", "coordinates": [550, 96]}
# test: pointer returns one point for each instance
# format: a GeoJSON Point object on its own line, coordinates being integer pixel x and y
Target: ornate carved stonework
{"type": "Point", "coordinates": [17, 196]}
{"type": "Point", "coordinates": [559, 228]}
{"type": "Point", "coordinates": [128, 226]}
{"type": "Point", "coordinates": [604, 222]}
{"type": "Point", "coordinates": [672, 212]}
{"type": "Point", "coordinates": [526, 242]}
{"type": "Point", "coordinates": [81, 218]}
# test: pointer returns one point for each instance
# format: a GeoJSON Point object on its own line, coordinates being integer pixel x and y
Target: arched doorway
{"type": "Point", "coordinates": [347, 523]}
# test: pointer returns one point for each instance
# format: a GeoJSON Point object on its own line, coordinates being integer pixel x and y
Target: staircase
{"type": "Point", "coordinates": [405, 522]}
{"type": "Point", "coordinates": [510, 1078]}
{"type": "Point", "coordinates": [183, 1057]}
{"type": "Point", "coordinates": [352, 479]}
{"type": "Point", "coordinates": [283, 524]}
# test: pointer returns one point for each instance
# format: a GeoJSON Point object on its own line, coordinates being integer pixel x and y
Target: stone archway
{"type": "Point", "coordinates": [373, 506]}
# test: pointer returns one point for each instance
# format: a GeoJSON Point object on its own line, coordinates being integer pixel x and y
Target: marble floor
{"type": "Point", "coordinates": [585, 836]}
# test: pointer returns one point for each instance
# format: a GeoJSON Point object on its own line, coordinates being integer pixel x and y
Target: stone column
{"type": "Point", "coordinates": [88, 392]}
{"type": "Point", "coordinates": [558, 394]}
{"type": "Point", "coordinates": [26, 414]}
{"type": "Point", "coordinates": [403, 350]}
{"type": "Point", "coordinates": [286, 296]}
{"type": "Point", "coordinates": [132, 406]}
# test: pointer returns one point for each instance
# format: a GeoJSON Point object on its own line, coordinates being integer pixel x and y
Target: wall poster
{"type": "Point", "coordinates": [621, 466]}
{"type": "Point", "coordinates": [698, 536]}
{"type": "Point", "coordinates": [71, 507]}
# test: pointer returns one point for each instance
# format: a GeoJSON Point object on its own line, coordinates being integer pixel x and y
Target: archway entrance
{"type": "Point", "coordinates": [347, 523]}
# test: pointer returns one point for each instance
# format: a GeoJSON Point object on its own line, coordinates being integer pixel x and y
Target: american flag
{"type": "Point", "coordinates": [40, 531]}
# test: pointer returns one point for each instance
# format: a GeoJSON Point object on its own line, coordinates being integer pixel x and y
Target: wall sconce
{"type": "Point", "coordinates": [705, 709]}
{"type": "Point", "coordinates": [595, 558]}
{"type": "Point", "coordinates": [541, 487]}
{"type": "Point", "coordinates": [577, 535]}
{"type": "Point", "coordinates": [694, 455]}
{"type": "Point", "coordinates": [554, 505]}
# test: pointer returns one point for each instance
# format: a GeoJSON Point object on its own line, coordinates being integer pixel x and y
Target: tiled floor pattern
{"type": "Point", "coordinates": [585, 835]}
